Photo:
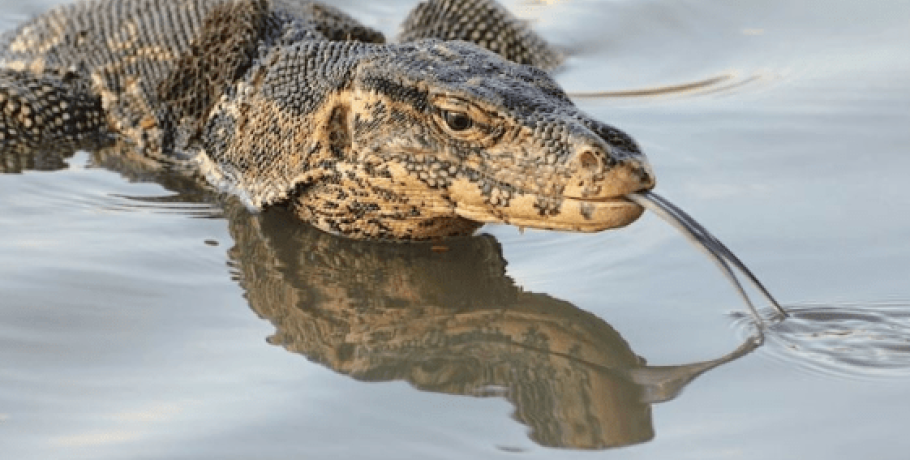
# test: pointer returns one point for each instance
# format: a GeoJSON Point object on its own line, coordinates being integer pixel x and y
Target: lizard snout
{"type": "Point", "coordinates": [603, 171]}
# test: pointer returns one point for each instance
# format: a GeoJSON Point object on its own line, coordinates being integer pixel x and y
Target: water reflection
{"type": "Point", "coordinates": [17, 162]}
{"type": "Point", "coordinates": [444, 317]}
{"type": "Point", "coordinates": [447, 319]}
{"type": "Point", "coordinates": [724, 83]}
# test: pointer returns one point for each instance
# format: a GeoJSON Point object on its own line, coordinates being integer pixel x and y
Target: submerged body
{"type": "Point", "coordinates": [296, 104]}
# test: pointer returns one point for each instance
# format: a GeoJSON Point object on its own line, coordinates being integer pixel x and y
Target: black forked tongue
{"type": "Point", "coordinates": [707, 243]}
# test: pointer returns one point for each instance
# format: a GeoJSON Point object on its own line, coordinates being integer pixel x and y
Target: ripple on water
{"type": "Point", "coordinates": [727, 82]}
{"type": "Point", "coordinates": [81, 183]}
{"type": "Point", "coordinates": [853, 340]}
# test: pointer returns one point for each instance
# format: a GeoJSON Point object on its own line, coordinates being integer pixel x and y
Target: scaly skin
{"type": "Point", "coordinates": [297, 104]}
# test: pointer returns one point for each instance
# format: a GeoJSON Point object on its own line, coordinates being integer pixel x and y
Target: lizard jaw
{"type": "Point", "coordinates": [583, 206]}
{"type": "Point", "coordinates": [571, 214]}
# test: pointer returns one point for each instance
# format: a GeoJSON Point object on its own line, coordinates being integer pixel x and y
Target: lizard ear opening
{"type": "Point", "coordinates": [339, 130]}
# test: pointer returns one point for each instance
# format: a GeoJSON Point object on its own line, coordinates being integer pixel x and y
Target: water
{"type": "Point", "coordinates": [143, 319]}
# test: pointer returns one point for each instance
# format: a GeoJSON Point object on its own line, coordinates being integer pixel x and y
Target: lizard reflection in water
{"type": "Point", "coordinates": [451, 322]}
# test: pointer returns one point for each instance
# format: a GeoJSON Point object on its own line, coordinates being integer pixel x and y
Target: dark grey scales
{"type": "Point", "coordinates": [296, 104]}
{"type": "Point", "coordinates": [484, 23]}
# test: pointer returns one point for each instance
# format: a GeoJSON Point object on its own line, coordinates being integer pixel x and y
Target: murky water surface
{"type": "Point", "coordinates": [140, 318]}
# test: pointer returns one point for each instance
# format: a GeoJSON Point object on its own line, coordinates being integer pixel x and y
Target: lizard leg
{"type": "Point", "coordinates": [485, 23]}
{"type": "Point", "coordinates": [39, 111]}
{"type": "Point", "coordinates": [335, 25]}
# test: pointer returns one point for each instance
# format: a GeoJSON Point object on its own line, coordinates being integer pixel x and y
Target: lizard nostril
{"type": "Point", "coordinates": [589, 161]}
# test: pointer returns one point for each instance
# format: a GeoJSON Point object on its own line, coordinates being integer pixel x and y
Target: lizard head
{"type": "Point", "coordinates": [446, 136]}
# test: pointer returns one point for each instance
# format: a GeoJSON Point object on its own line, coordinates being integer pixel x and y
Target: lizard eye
{"type": "Point", "coordinates": [457, 121]}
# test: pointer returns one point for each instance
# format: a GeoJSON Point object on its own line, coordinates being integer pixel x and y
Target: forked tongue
{"type": "Point", "coordinates": [707, 243]}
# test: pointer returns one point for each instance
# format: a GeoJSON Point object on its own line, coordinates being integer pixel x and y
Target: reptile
{"type": "Point", "coordinates": [295, 104]}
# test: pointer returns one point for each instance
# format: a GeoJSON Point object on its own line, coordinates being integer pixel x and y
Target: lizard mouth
{"type": "Point", "coordinates": [584, 203]}
{"type": "Point", "coordinates": [566, 213]}
{"type": "Point", "coordinates": [583, 206]}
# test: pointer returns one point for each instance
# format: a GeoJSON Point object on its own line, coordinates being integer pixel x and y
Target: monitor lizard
{"type": "Point", "coordinates": [297, 104]}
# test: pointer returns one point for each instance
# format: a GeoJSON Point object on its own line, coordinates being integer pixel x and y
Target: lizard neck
{"type": "Point", "coordinates": [284, 126]}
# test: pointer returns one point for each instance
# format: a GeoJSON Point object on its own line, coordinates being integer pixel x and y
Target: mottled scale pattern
{"type": "Point", "coordinates": [36, 109]}
{"type": "Point", "coordinates": [118, 50]}
{"type": "Point", "coordinates": [296, 104]}
{"type": "Point", "coordinates": [220, 54]}
{"type": "Point", "coordinates": [155, 63]}
{"type": "Point", "coordinates": [482, 22]}
{"type": "Point", "coordinates": [334, 24]}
